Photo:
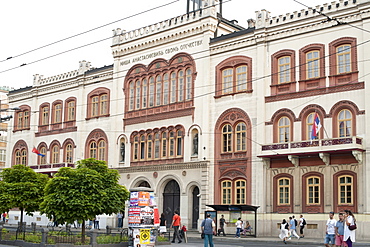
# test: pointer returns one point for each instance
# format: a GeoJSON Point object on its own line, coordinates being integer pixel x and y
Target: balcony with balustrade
{"type": "Point", "coordinates": [50, 169]}
{"type": "Point", "coordinates": [323, 151]}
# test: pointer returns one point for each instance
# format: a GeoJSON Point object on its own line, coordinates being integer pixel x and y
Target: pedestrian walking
{"type": "Point", "coordinates": [330, 230]}
{"type": "Point", "coordinates": [120, 220]}
{"type": "Point", "coordinates": [293, 227]}
{"type": "Point", "coordinates": [222, 226]}
{"type": "Point", "coordinates": [349, 235]}
{"type": "Point", "coordinates": [284, 231]}
{"type": "Point", "coordinates": [176, 222]}
{"type": "Point", "coordinates": [208, 228]}
{"type": "Point", "coordinates": [339, 231]}
{"type": "Point", "coordinates": [239, 226]}
{"type": "Point", "coordinates": [302, 224]}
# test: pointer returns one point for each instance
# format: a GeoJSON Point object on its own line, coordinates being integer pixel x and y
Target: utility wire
{"type": "Point", "coordinates": [79, 34]}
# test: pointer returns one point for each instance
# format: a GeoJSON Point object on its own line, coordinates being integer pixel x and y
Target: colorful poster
{"type": "Point", "coordinates": [152, 201]}
{"type": "Point", "coordinates": [134, 199]}
{"type": "Point", "coordinates": [144, 236]}
{"type": "Point", "coordinates": [156, 217]}
{"type": "Point", "coordinates": [144, 198]}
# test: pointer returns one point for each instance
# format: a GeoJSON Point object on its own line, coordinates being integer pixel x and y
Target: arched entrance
{"type": "Point", "coordinates": [195, 206]}
{"type": "Point", "coordinates": [171, 200]}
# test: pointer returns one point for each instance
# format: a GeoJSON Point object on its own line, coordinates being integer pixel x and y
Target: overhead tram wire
{"type": "Point", "coordinates": [76, 48]}
{"type": "Point", "coordinates": [90, 30]}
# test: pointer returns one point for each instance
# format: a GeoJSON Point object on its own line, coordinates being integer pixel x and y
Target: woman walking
{"type": "Point", "coordinates": [239, 225]}
{"type": "Point", "coordinates": [349, 235]}
{"type": "Point", "coordinates": [284, 229]}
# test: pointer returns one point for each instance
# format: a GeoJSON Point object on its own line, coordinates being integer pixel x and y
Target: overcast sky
{"type": "Point", "coordinates": [26, 25]}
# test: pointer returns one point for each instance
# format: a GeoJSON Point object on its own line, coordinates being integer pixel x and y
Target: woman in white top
{"type": "Point", "coordinates": [284, 227]}
{"type": "Point", "coordinates": [349, 236]}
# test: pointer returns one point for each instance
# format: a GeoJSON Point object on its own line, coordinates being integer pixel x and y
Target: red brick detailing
{"type": "Point", "coordinates": [23, 108]}
{"type": "Point", "coordinates": [340, 208]}
{"type": "Point", "coordinates": [353, 85]}
{"type": "Point", "coordinates": [233, 63]}
{"type": "Point", "coordinates": [19, 146]}
{"type": "Point", "coordinates": [283, 208]}
{"type": "Point", "coordinates": [64, 147]}
{"type": "Point", "coordinates": [97, 92]}
{"type": "Point", "coordinates": [312, 83]}
{"type": "Point", "coordinates": [319, 208]}
{"type": "Point", "coordinates": [338, 79]}
{"type": "Point", "coordinates": [179, 62]}
{"type": "Point", "coordinates": [334, 111]}
{"type": "Point", "coordinates": [96, 135]}
{"type": "Point", "coordinates": [41, 144]}
{"type": "Point", "coordinates": [282, 88]}
{"type": "Point", "coordinates": [235, 164]}
{"type": "Point", "coordinates": [44, 127]}
{"type": "Point", "coordinates": [69, 124]}
{"type": "Point", "coordinates": [284, 112]}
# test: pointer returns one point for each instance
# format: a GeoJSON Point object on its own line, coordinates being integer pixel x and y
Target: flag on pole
{"type": "Point", "coordinates": [34, 150]}
{"type": "Point", "coordinates": [316, 126]}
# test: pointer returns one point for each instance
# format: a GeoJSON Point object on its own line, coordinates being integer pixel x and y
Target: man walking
{"type": "Point", "coordinates": [208, 227]}
{"type": "Point", "coordinates": [339, 231]}
{"type": "Point", "coordinates": [176, 222]}
{"type": "Point", "coordinates": [222, 226]}
{"type": "Point", "coordinates": [330, 230]}
{"type": "Point", "coordinates": [293, 227]}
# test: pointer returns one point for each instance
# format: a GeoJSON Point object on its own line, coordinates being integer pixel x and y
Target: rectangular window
{"type": "Point", "coordinates": [313, 69]}
{"type": "Point", "coordinates": [151, 92]}
{"type": "Point", "coordinates": [240, 189]}
{"type": "Point", "coordinates": [58, 113]}
{"type": "Point", "coordinates": [313, 190]}
{"type": "Point", "coordinates": [241, 78]}
{"type": "Point", "coordinates": [20, 120]}
{"type": "Point", "coordinates": [226, 192]}
{"type": "Point", "coordinates": [227, 81]}
{"type": "Point", "coordinates": [45, 115]}
{"type": "Point", "coordinates": [104, 104]}
{"type": "Point", "coordinates": [71, 114]}
{"type": "Point", "coordinates": [345, 190]}
{"type": "Point", "coordinates": [26, 123]}
{"type": "Point", "coordinates": [344, 59]}
{"type": "Point", "coordinates": [284, 69]}
{"type": "Point", "coordinates": [283, 191]}
{"type": "Point", "coordinates": [95, 106]}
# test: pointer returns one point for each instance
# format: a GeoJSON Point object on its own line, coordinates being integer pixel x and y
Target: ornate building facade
{"type": "Point", "coordinates": [207, 112]}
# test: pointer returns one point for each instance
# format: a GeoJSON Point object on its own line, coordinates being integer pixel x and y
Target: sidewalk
{"type": "Point", "coordinates": [301, 241]}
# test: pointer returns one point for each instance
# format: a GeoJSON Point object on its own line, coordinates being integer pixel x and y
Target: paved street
{"type": "Point", "coordinates": [249, 243]}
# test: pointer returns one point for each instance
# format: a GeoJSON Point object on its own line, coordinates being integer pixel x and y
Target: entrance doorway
{"type": "Point", "coordinates": [195, 207]}
{"type": "Point", "coordinates": [171, 200]}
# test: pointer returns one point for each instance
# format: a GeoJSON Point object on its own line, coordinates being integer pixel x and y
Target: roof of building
{"type": "Point", "coordinates": [232, 35]}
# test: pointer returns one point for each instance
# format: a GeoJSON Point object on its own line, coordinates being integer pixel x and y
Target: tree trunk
{"type": "Point", "coordinates": [21, 224]}
{"type": "Point", "coordinates": [83, 232]}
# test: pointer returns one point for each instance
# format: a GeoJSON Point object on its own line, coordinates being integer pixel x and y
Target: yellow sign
{"type": "Point", "coordinates": [144, 236]}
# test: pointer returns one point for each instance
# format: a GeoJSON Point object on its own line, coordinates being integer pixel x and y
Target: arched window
{"type": "Point", "coordinates": [151, 92]}
{"type": "Point", "coordinates": [55, 154]}
{"type": "Point", "coordinates": [104, 104]}
{"type": "Point", "coordinates": [284, 129]}
{"type": "Point", "coordinates": [343, 59]}
{"type": "Point", "coordinates": [313, 64]}
{"type": "Point", "coordinates": [136, 148]}
{"type": "Point", "coordinates": [45, 115]}
{"type": "Point", "coordinates": [284, 66]}
{"type": "Point", "coordinates": [179, 143]}
{"type": "Point", "coordinates": [132, 95]}
{"type": "Point", "coordinates": [101, 150]}
{"type": "Point", "coordinates": [313, 190]}
{"type": "Point", "coordinates": [150, 147]}
{"type": "Point", "coordinates": [181, 86]}
{"type": "Point", "coordinates": [71, 110]}
{"type": "Point", "coordinates": [226, 138]}
{"type": "Point", "coordinates": [172, 144]}
{"type": "Point", "coordinates": [158, 91]}
{"type": "Point", "coordinates": [95, 106]}
{"type": "Point", "coordinates": [345, 189]}
{"type": "Point", "coordinates": [189, 82]}
{"type": "Point", "coordinates": [58, 113]}
{"type": "Point", "coordinates": [345, 123]}
{"type": "Point", "coordinates": [69, 153]}
{"type": "Point", "coordinates": [145, 93]}
{"type": "Point", "coordinates": [240, 191]}
{"type": "Point", "coordinates": [138, 94]}
{"type": "Point", "coordinates": [241, 135]}
{"type": "Point", "coordinates": [173, 87]}
{"type": "Point", "coordinates": [227, 81]}
{"type": "Point", "coordinates": [18, 159]}
{"type": "Point", "coordinates": [142, 147]}
{"type": "Point", "coordinates": [42, 159]}
{"type": "Point", "coordinates": [241, 78]}
{"type": "Point", "coordinates": [156, 146]}
{"type": "Point", "coordinates": [93, 150]}
{"type": "Point", "coordinates": [283, 191]}
{"type": "Point", "coordinates": [24, 157]}
{"type": "Point", "coordinates": [22, 118]}
{"type": "Point", "coordinates": [309, 124]}
{"type": "Point", "coordinates": [164, 144]}
{"type": "Point", "coordinates": [165, 89]}
{"type": "Point", "coordinates": [226, 192]}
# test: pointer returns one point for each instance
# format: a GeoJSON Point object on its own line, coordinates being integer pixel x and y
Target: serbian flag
{"type": "Point", "coordinates": [34, 150]}
{"type": "Point", "coordinates": [316, 126]}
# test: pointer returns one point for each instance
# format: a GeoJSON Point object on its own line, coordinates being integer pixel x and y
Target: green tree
{"type": "Point", "coordinates": [82, 193]}
{"type": "Point", "coordinates": [21, 187]}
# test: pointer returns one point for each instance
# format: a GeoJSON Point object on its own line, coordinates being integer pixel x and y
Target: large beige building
{"type": "Point", "coordinates": [207, 112]}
